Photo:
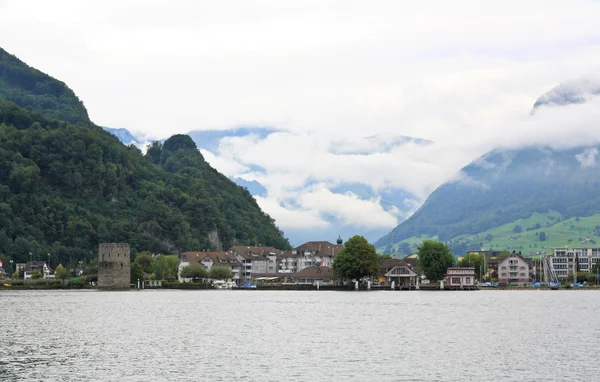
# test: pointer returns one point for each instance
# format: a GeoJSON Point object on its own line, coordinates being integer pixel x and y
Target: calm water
{"type": "Point", "coordinates": [299, 336]}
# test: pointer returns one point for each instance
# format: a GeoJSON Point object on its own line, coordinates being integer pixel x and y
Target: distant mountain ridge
{"type": "Point", "coordinates": [124, 135]}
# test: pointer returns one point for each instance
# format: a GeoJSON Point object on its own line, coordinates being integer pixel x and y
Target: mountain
{"type": "Point", "coordinates": [124, 136]}
{"type": "Point", "coordinates": [65, 187]}
{"type": "Point", "coordinates": [38, 92]}
{"type": "Point", "coordinates": [506, 188]}
{"type": "Point", "coordinates": [570, 92]}
{"type": "Point", "coordinates": [503, 186]}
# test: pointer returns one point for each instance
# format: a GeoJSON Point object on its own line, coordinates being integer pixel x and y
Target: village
{"type": "Point", "coordinates": [309, 266]}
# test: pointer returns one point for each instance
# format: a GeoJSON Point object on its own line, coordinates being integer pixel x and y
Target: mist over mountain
{"type": "Point", "coordinates": [569, 92]}
{"type": "Point", "coordinates": [505, 185]}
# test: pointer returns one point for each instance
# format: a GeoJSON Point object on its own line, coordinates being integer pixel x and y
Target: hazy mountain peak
{"type": "Point", "coordinates": [569, 92]}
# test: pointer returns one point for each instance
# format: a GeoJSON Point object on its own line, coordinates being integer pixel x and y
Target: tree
{"type": "Point", "coordinates": [165, 267]}
{"type": "Point", "coordinates": [435, 258]}
{"type": "Point", "coordinates": [137, 273]}
{"type": "Point", "coordinates": [36, 275]}
{"type": "Point", "coordinates": [596, 268]}
{"type": "Point", "coordinates": [474, 260]}
{"type": "Point", "coordinates": [61, 273]}
{"type": "Point", "coordinates": [489, 237]}
{"type": "Point", "coordinates": [144, 259]}
{"type": "Point", "coordinates": [220, 272]}
{"type": "Point", "coordinates": [542, 236]}
{"type": "Point", "coordinates": [518, 229]}
{"type": "Point", "coordinates": [357, 260]}
{"type": "Point", "coordinates": [194, 272]}
{"type": "Point", "coordinates": [15, 275]}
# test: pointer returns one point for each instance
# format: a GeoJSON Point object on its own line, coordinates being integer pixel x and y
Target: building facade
{"type": "Point", "coordinates": [513, 270]}
{"type": "Point", "coordinates": [114, 263]}
{"type": "Point", "coordinates": [315, 275]}
{"type": "Point", "coordinates": [209, 260]}
{"type": "Point", "coordinates": [460, 277]}
{"type": "Point", "coordinates": [566, 261]}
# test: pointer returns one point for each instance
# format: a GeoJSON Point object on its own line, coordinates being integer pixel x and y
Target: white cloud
{"type": "Point", "coordinates": [463, 74]}
{"type": "Point", "coordinates": [348, 208]}
{"type": "Point", "coordinates": [290, 217]}
{"type": "Point", "coordinates": [224, 164]}
{"type": "Point", "coordinates": [588, 157]}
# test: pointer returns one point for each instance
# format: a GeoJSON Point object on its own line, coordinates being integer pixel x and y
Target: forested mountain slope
{"type": "Point", "coordinates": [38, 92]}
{"type": "Point", "coordinates": [66, 187]}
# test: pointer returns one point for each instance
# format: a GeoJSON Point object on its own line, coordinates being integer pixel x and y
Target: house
{"type": "Point", "coordinates": [460, 277]}
{"type": "Point", "coordinates": [513, 270]}
{"type": "Point", "coordinates": [32, 266]}
{"type": "Point", "coordinates": [210, 259]}
{"type": "Point", "coordinates": [315, 274]}
{"type": "Point", "coordinates": [398, 272]}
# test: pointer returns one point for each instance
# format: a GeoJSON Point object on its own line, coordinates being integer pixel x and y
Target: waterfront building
{"type": "Point", "coordinates": [566, 261]}
{"type": "Point", "coordinates": [255, 260]}
{"type": "Point", "coordinates": [513, 270]}
{"type": "Point", "coordinates": [314, 274]}
{"type": "Point", "coordinates": [460, 277]}
{"type": "Point", "coordinates": [209, 260]}
{"type": "Point", "coordinates": [401, 274]}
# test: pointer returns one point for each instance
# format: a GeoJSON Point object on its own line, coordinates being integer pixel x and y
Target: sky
{"type": "Point", "coordinates": [338, 79]}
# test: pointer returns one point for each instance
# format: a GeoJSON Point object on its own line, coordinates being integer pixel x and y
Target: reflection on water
{"type": "Point", "coordinates": [299, 336]}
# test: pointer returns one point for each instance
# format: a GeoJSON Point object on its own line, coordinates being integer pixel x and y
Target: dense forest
{"type": "Point", "coordinates": [65, 187]}
{"type": "Point", "coordinates": [38, 92]}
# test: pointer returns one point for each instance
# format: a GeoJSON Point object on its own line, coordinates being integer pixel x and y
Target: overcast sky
{"type": "Point", "coordinates": [463, 74]}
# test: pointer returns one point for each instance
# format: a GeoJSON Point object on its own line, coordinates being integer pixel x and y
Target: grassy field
{"type": "Point", "coordinates": [574, 232]}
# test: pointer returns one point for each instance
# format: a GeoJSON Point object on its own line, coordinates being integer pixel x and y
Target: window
{"type": "Point", "coordinates": [522, 268]}
{"type": "Point", "coordinates": [522, 274]}
{"type": "Point", "coordinates": [467, 280]}
{"type": "Point", "coordinates": [503, 274]}
{"type": "Point", "coordinates": [121, 265]}
{"type": "Point", "coordinates": [105, 265]}
{"type": "Point", "coordinates": [455, 280]}
{"type": "Point", "coordinates": [503, 268]}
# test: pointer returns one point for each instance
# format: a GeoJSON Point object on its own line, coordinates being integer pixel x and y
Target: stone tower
{"type": "Point", "coordinates": [113, 266]}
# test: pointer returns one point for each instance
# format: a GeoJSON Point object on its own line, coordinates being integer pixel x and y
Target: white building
{"type": "Point", "coordinates": [566, 261]}
{"type": "Point", "coordinates": [460, 277]}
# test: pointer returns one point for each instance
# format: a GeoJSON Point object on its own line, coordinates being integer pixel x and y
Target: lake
{"type": "Point", "coordinates": [299, 336]}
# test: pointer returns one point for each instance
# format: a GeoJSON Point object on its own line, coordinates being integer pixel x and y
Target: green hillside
{"type": "Point", "coordinates": [66, 187]}
{"type": "Point", "coordinates": [501, 188]}
{"type": "Point", "coordinates": [532, 235]}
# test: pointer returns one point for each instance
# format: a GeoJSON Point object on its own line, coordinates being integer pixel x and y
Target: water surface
{"type": "Point", "coordinates": [299, 336]}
